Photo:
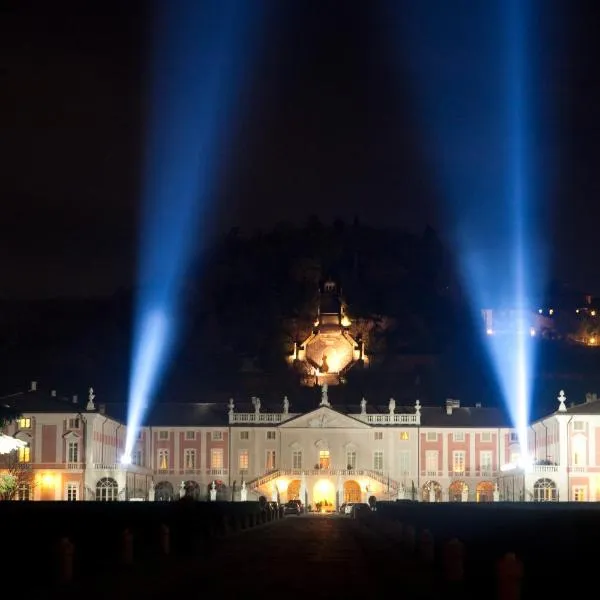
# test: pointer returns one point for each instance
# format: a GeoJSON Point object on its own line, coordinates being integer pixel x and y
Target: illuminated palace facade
{"type": "Point", "coordinates": [327, 455]}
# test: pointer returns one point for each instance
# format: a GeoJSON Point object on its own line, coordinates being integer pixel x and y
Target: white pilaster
{"type": "Point", "coordinates": [445, 457]}
{"type": "Point", "coordinates": [177, 462]}
{"type": "Point", "coordinates": [473, 458]}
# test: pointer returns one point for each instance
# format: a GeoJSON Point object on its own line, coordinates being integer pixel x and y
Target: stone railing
{"type": "Point", "coordinates": [388, 419]}
{"type": "Point", "coordinates": [545, 468]}
{"type": "Point", "coordinates": [264, 479]}
{"type": "Point", "coordinates": [259, 418]}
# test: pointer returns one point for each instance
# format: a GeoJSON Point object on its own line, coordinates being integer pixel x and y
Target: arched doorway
{"type": "Point", "coordinates": [192, 490]}
{"type": "Point", "coordinates": [352, 492]}
{"type": "Point", "coordinates": [429, 487]}
{"type": "Point", "coordinates": [544, 490]}
{"type": "Point", "coordinates": [293, 490]}
{"type": "Point", "coordinates": [324, 495]}
{"type": "Point", "coordinates": [107, 490]}
{"type": "Point", "coordinates": [163, 492]}
{"type": "Point", "coordinates": [457, 491]}
{"type": "Point", "coordinates": [485, 491]}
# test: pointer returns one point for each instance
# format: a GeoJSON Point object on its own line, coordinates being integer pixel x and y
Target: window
{"type": "Point", "coordinates": [140, 435]}
{"type": "Point", "coordinates": [137, 459]}
{"type": "Point", "coordinates": [514, 437]}
{"type": "Point", "coordinates": [24, 454]}
{"type": "Point", "coordinates": [431, 462]}
{"type": "Point", "coordinates": [579, 493]}
{"type": "Point", "coordinates": [71, 491]}
{"type": "Point", "coordinates": [107, 490]}
{"type": "Point", "coordinates": [297, 459]}
{"type": "Point", "coordinates": [378, 460]}
{"type": "Point", "coordinates": [544, 490]}
{"type": "Point", "coordinates": [458, 461]}
{"type": "Point", "coordinates": [579, 451]}
{"type": "Point", "coordinates": [163, 435]}
{"type": "Point", "coordinates": [163, 459]}
{"type": "Point", "coordinates": [578, 426]}
{"type": "Point", "coordinates": [271, 435]}
{"type": "Point", "coordinates": [243, 460]}
{"type": "Point", "coordinates": [515, 457]}
{"type": "Point", "coordinates": [24, 492]}
{"type": "Point", "coordinates": [351, 459]}
{"type": "Point", "coordinates": [485, 461]}
{"type": "Point", "coordinates": [404, 463]}
{"type": "Point", "coordinates": [486, 436]}
{"type": "Point", "coordinates": [271, 460]}
{"type": "Point", "coordinates": [25, 423]}
{"type": "Point", "coordinates": [244, 435]}
{"type": "Point", "coordinates": [216, 458]}
{"type": "Point", "coordinates": [217, 436]}
{"type": "Point", "coordinates": [432, 436]}
{"type": "Point", "coordinates": [458, 436]}
{"type": "Point", "coordinates": [324, 459]}
{"type": "Point", "coordinates": [404, 436]}
{"type": "Point", "coordinates": [378, 435]}
{"type": "Point", "coordinates": [73, 423]}
{"type": "Point", "coordinates": [190, 435]}
{"type": "Point", "coordinates": [73, 452]}
{"type": "Point", "coordinates": [189, 458]}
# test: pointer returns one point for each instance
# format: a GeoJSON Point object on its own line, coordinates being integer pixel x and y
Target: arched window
{"type": "Point", "coordinates": [544, 490]}
{"type": "Point", "coordinates": [107, 490]}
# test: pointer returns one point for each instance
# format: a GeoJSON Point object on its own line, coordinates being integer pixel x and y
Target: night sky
{"type": "Point", "coordinates": [327, 127]}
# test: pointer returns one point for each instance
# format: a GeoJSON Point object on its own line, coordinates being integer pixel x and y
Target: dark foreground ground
{"type": "Point", "coordinates": [319, 556]}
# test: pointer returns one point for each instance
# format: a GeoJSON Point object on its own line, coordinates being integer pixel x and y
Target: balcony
{"type": "Point", "coordinates": [545, 469]}
{"type": "Point", "coordinates": [387, 419]}
{"type": "Point", "coordinates": [217, 472]}
{"type": "Point", "coordinates": [261, 418]}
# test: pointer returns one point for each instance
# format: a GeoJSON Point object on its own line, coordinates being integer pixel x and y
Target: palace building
{"type": "Point", "coordinates": [326, 455]}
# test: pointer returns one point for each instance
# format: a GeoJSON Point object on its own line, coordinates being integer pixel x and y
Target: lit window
{"type": "Point", "coordinates": [270, 460]}
{"type": "Point", "coordinates": [25, 423]}
{"type": "Point", "coordinates": [243, 460]}
{"type": "Point", "coordinates": [24, 492]}
{"type": "Point", "coordinates": [217, 436]}
{"type": "Point", "coordinates": [579, 494]}
{"type": "Point", "coordinates": [404, 436]}
{"type": "Point", "coordinates": [216, 458]}
{"type": "Point", "coordinates": [189, 458]}
{"type": "Point", "coordinates": [378, 435]}
{"type": "Point", "coordinates": [163, 459]}
{"type": "Point", "coordinates": [163, 435]}
{"type": "Point", "coordinates": [24, 454]}
{"type": "Point", "coordinates": [190, 435]}
{"type": "Point", "coordinates": [458, 436]}
{"type": "Point", "coordinates": [244, 435]}
{"type": "Point", "coordinates": [378, 461]}
{"type": "Point", "coordinates": [324, 459]}
{"type": "Point", "coordinates": [458, 461]}
{"type": "Point", "coordinates": [271, 435]}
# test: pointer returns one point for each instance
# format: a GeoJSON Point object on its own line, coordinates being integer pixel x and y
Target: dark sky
{"type": "Point", "coordinates": [327, 127]}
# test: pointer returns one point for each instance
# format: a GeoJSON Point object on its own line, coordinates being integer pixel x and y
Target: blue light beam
{"type": "Point", "coordinates": [473, 85]}
{"type": "Point", "coordinates": [198, 63]}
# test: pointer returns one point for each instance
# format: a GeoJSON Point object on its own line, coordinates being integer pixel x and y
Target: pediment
{"type": "Point", "coordinates": [70, 435]}
{"type": "Point", "coordinates": [324, 417]}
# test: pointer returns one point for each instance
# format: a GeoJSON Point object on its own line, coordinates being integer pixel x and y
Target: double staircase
{"type": "Point", "coordinates": [390, 485]}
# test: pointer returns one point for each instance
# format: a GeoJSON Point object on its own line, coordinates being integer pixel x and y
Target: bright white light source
{"type": "Point", "coordinates": [126, 459]}
{"type": "Point", "coordinates": [8, 444]}
{"type": "Point", "coordinates": [490, 332]}
{"type": "Point", "coordinates": [531, 331]}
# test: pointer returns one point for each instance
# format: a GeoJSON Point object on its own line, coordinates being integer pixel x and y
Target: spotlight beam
{"type": "Point", "coordinates": [197, 67]}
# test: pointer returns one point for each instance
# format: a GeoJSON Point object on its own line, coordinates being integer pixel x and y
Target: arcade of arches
{"type": "Point", "coordinates": [293, 490]}
{"type": "Point", "coordinates": [458, 491]}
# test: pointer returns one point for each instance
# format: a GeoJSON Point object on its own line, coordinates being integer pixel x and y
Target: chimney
{"type": "Point", "coordinates": [102, 409]}
{"type": "Point", "coordinates": [451, 404]}
{"type": "Point", "coordinates": [53, 393]}
{"type": "Point", "coordinates": [33, 387]}
{"type": "Point", "coordinates": [75, 399]}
